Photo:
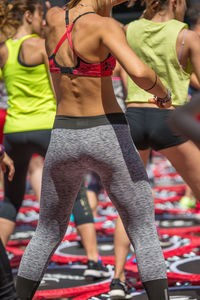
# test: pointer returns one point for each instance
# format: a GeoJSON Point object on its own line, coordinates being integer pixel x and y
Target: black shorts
{"type": "Point", "coordinates": [150, 129]}
{"type": "Point", "coordinates": [82, 211]}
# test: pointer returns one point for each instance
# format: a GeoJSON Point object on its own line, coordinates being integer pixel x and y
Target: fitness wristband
{"type": "Point", "coordinates": [166, 99]}
{"type": "Point", "coordinates": [155, 82]}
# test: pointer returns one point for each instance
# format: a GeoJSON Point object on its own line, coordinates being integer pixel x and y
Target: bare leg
{"type": "Point", "coordinates": [122, 245]}
{"type": "Point", "coordinates": [93, 202]}
{"type": "Point", "coordinates": [35, 173]}
{"type": "Point", "coordinates": [88, 238]}
{"type": "Point", "coordinates": [186, 160]}
{"type": "Point", "coordinates": [144, 154]}
{"type": "Point", "coordinates": [121, 240]}
{"type": "Point", "coordinates": [7, 228]}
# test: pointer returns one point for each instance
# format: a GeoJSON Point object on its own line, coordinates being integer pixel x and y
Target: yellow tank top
{"type": "Point", "coordinates": [155, 45]}
{"type": "Point", "coordinates": [31, 101]}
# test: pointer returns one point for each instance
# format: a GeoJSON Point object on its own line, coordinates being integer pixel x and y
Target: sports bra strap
{"type": "Point", "coordinates": [89, 12]}
{"type": "Point", "coordinates": [67, 16]}
{"type": "Point", "coordinates": [63, 38]}
{"type": "Point", "coordinates": [67, 34]}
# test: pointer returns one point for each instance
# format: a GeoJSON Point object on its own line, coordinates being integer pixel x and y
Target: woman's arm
{"type": "Point", "coordinates": [123, 76]}
{"type": "Point", "coordinates": [193, 41]}
{"type": "Point", "coordinates": [194, 82]}
{"type": "Point", "coordinates": [115, 40]}
{"type": "Point", "coordinates": [46, 62]}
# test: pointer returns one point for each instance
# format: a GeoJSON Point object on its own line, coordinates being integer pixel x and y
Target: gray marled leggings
{"type": "Point", "coordinates": [109, 151]}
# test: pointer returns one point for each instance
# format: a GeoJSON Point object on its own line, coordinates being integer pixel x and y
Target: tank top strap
{"type": "Point", "coordinates": [14, 46]}
{"type": "Point", "coordinates": [20, 41]}
{"type": "Point", "coordinates": [28, 36]}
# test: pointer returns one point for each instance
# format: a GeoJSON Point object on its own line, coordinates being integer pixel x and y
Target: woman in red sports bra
{"type": "Point", "coordinates": [91, 133]}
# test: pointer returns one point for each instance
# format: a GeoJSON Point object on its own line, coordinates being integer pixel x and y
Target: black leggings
{"type": "Point", "coordinates": [7, 289]}
{"type": "Point", "coordinates": [20, 146]}
{"type": "Point", "coordinates": [82, 211]}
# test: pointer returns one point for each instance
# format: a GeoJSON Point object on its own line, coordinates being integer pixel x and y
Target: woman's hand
{"type": "Point", "coordinates": [6, 161]}
{"type": "Point", "coordinates": [160, 104]}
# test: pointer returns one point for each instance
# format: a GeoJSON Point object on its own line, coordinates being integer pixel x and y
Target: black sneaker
{"type": "Point", "coordinates": [96, 270]}
{"type": "Point", "coordinates": [119, 290]}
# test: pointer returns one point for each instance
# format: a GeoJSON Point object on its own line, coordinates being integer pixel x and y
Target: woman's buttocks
{"type": "Point", "coordinates": [86, 138]}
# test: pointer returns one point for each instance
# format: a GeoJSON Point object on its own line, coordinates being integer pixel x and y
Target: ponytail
{"type": "Point", "coordinates": [154, 6]}
{"type": "Point", "coordinates": [7, 26]}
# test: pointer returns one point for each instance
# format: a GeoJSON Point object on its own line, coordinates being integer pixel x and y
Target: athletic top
{"type": "Point", "coordinates": [32, 105]}
{"type": "Point", "coordinates": [104, 68]}
{"type": "Point", "coordinates": [155, 44]}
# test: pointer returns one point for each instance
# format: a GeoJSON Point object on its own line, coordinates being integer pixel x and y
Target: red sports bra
{"type": "Point", "coordinates": [104, 68]}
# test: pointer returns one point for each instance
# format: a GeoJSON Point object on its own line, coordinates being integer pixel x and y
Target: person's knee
{"type": "Point", "coordinates": [36, 163]}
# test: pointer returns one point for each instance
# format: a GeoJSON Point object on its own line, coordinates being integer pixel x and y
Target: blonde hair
{"type": "Point", "coordinates": [11, 16]}
{"type": "Point", "coordinates": [72, 3]}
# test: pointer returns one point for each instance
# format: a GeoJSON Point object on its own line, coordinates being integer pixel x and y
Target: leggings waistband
{"type": "Point", "coordinates": [71, 122]}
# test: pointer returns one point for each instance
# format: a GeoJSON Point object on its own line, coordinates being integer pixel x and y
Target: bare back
{"type": "Point", "coordinates": [79, 95]}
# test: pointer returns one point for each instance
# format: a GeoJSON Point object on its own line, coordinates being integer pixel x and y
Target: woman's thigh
{"type": "Point", "coordinates": [186, 160]}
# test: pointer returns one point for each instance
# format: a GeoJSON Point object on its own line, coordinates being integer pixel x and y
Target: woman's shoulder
{"type": "Point", "coordinates": [34, 44]}
{"type": "Point", "coordinates": [98, 25]}
{"type": "Point", "coordinates": [53, 15]}
{"type": "Point", "coordinates": [34, 41]}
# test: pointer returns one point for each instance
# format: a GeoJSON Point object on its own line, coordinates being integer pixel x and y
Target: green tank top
{"type": "Point", "coordinates": [155, 44]}
{"type": "Point", "coordinates": [32, 105]}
